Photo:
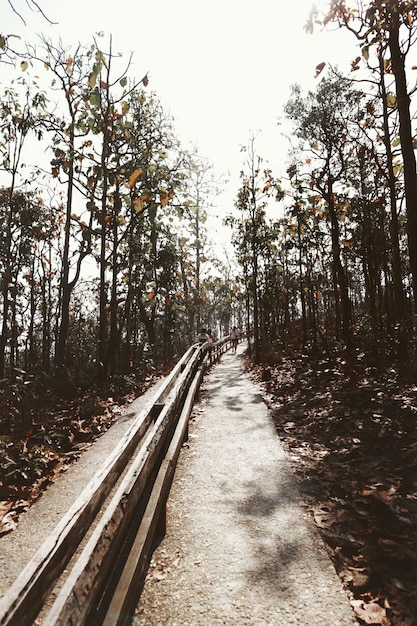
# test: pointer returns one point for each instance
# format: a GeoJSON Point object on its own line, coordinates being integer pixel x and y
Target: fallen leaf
{"type": "Point", "coordinates": [8, 523]}
{"type": "Point", "coordinates": [371, 613]}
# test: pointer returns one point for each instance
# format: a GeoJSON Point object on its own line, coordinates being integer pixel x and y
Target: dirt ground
{"type": "Point", "coordinates": [350, 433]}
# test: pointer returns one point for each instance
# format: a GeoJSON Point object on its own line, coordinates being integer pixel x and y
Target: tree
{"type": "Point", "coordinates": [83, 76]}
{"type": "Point", "coordinates": [70, 70]}
{"type": "Point", "coordinates": [390, 26]}
{"type": "Point", "coordinates": [322, 121]}
{"type": "Point", "coordinates": [198, 189]}
{"type": "Point", "coordinates": [251, 231]}
{"type": "Point", "coordinates": [17, 121]}
{"type": "Point", "coordinates": [7, 53]}
{"type": "Point", "coordinates": [154, 165]}
{"type": "Point", "coordinates": [121, 204]}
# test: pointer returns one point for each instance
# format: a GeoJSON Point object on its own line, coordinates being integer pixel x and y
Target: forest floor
{"type": "Point", "coordinates": [351, 438]}
{"type": "Point", "coordinates": [41, 435]}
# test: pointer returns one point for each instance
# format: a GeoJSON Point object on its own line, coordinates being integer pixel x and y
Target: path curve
{"type": "Point", "coordinates": [239, 548]}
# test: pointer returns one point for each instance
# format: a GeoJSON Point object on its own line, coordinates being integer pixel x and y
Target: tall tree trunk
{"type": "Point", "coordinates": [407, 147]}
{"type": "Point", "coordinates": [114, 336]}
{"type": "Point", "coordinates": [339, 270]}
{"type": "Point", "coordinates": [399, 302]}
{"type": "Point", "coordinates": [256, 335]}
{"type": "Point", "coordinates": [301, 281]}
{"type": "Point", "coordinates": [191, 330]}
{"type": "Point", "coordinates": [65, 288]}
{"type": "Point", "coordinates": [103, 323]}
{"type": "Point", "coordinates": [102, 348]}
{"type": "Point", "coordinates": [6, 281]}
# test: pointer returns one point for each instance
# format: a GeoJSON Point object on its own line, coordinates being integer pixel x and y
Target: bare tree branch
{"type": "Point", "coordinates": [33, 6]}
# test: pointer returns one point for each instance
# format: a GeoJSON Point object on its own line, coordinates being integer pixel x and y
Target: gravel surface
{"type": "Point", "coordinates": [239, 548]}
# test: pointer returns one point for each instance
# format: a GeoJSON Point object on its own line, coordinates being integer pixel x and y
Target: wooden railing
{"type": "Point", "coordinates": [118, 516]}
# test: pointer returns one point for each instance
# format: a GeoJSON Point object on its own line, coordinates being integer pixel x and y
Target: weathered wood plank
{"type": "Point", "coordinates": [127, 592]}
{"type": "Point", "coordinates": [23, 601]}
{"type": "Point", "coordinates": [92, 568]}
{"type": "Point", "coordinates": [94, 564]}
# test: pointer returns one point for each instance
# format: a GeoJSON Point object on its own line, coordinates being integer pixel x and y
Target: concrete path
{"type": "Point", "coordinates": [239, 547]}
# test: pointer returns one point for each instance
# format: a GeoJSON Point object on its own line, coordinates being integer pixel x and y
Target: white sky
{"type": "Point", "coordinates": [222, 68]}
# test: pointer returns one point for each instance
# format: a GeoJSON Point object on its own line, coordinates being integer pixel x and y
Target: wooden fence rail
{"type": "Point", "coordinates": [133, 483]}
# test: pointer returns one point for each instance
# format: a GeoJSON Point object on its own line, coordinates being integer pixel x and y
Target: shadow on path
{"type": "Point", "coordinates": [239, 548]}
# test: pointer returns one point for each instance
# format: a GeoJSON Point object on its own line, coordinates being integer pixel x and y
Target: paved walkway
{"type": "Point", "coordinates": [239, 547]}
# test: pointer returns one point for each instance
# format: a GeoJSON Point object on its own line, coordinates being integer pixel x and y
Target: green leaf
{"type": "Point", "coordinates": [97, 67]}
{"type": "Point", "coordinates": [92, 80]}
{"type": "Point", "coordinates": [101, 58]}
{"type": "Point", "coordinates": [95, 98]}
{"type": "Point", "coordinates": [365, 52]}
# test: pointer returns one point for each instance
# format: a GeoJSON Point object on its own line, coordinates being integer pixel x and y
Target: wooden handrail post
{"type": "Point", "coordinates": [135, 479]}
{"type": "Point", "coordinates": [156, 410]}
{"type": "Point", "coordinates": [161, 525]}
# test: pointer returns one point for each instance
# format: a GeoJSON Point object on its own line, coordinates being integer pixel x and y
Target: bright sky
{"type": "Point", "coordinates": [222, 68]}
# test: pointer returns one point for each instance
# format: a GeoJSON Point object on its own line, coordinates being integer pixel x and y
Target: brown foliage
{"type": "Point", "coordinates": [350, 434]}
{"type": "Point", "coordinates": [42, 434]}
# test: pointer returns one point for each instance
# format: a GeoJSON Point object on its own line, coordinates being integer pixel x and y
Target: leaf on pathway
{"type": "Point", "coordinates": [323, 517]}
{"type": "Point", "coordinates": [371, 613]}
{"type": "Point", "coordinates": [8, 523]}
